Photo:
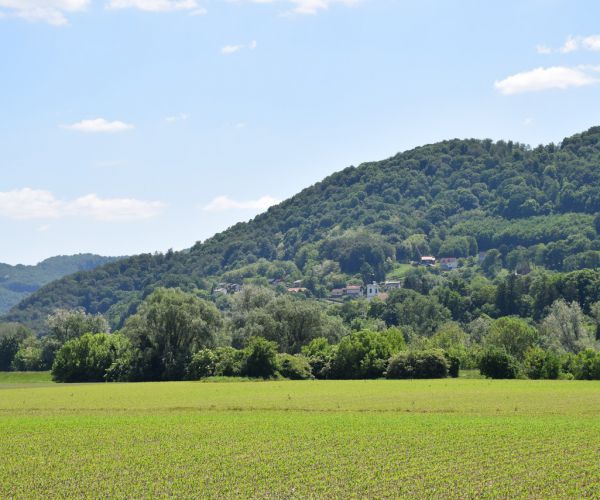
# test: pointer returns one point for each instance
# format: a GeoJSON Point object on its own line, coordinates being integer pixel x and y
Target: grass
{"type": "Point", "coordinates": [25, 378]}
{"type": "Point", "coordinates": [347, 439]}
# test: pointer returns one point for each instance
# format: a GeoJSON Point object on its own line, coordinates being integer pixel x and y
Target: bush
{"type": "Point", "coordinates": [229, 362]}
{"type": "Point", "coordinates": [418, 364]}
{"type": "Point", "coordinates": [261, 358]}
{"type": "Point", "coordinates": [453, 365]}
{"type": "Point", "coordinates": [363, 354]}
{"type": "Point", "coordinates": [497, 363]}
{"type": "Point", "coordinates": [294, 367]}
{"type": "Point", "coordinates": [202, 365]}
{"type": "Point", "coordinates": [587, 365]}
{"type": "Point", "coordinates": [88, 358]}
{"type": "Point", "coordinates": [540, 364]}
{"type": "Point", "coordinates": [320, 354]}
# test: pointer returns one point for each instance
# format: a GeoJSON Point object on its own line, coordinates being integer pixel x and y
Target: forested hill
{"type": "Point", "coordinates": [17, 282]}
{"type": "Point", "coordinates": [453, 198]}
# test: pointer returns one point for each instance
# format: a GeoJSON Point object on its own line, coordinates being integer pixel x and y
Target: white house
{"type": "Point", "coordinates": [372, 290]}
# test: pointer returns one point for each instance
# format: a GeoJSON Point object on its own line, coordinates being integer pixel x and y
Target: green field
{"type": "Point", "coordinates": [442, 438]}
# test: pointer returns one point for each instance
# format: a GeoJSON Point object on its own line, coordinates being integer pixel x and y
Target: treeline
{"type": "Point", "coordinates": [177, 335]}
{"type": "Point", "coordinates": [528, 207]}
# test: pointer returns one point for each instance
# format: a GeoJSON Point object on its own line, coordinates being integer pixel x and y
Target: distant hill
{"type": "Point", "coordinates": [453, 198]}
{"type": "Point", "coordinates": [17, 282]}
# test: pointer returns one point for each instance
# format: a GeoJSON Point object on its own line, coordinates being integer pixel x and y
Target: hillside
{"type": "Point", "coordinates": [17, 282]}
{"type": "Point", "coordinates": [454, 198]}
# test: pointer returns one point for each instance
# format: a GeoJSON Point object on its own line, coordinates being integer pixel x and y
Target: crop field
{"type": "Point", "coordinates": [442, 438]}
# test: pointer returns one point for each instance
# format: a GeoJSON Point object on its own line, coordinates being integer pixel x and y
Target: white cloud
{"type": "Point", "coordinates": [111, 209]}
{"type": "Point", "coordinates": [48, 11]}
{"type": "Point", "coordinates": [572, 44]}
{"type": "Point", "coordinates": [543, 49]}
{"type": "Point", "coordinates": [180, 117]}
{"type": "Point", "coordinates": [154, 5]}
{"type": "Point", "coordinates": [224, 203]}
{"type": "Point", "coordinates": [30, 203]}
{"type": "Point", "coordinates": [555, 77]}
{"type": "Point", "coordinates": [308, 6]}
{"type": "Point", "coordinates": [199, 12]}
{"type": "Point", "coordinates": [99, 125]}
{"type": "Point", "coordinates": [231, 49]}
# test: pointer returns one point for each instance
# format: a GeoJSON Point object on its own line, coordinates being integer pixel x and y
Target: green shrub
{"type": "Point", "coordinates": [203, 364]}
{"type": "Point", "coordinates": [89, 357]}
{"type": "Point", "coordinates": [497, 363]}
{"type": "Point", "coordinates": [587, 365]}
{"type": "Point", "coordinates": [229, 362]}
{"type": "Point", "coordinates": [541, 364]}
{"type": "Point", "coordinates": [363, 354]}
{"type": "Point", "coordinates": [260, 358]}
{"type": "Point", "coordinates": [320, 354]}
{"type": "Point", "coordinates": [294, 367]}
{"type": "Point", "coordinates": [453, 365]}
{"type": "Point", "coordinates": [418, 364]}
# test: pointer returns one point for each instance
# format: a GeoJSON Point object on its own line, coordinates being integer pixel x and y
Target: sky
{"type": "Point", "coordinates": [131, 126]}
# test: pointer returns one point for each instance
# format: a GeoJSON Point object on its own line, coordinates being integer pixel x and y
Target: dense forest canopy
{"type": "Point", "coordinates": [17, 282]}
{"type": "Point", "coordinates": [528, 207]}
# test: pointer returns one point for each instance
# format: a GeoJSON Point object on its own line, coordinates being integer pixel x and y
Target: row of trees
{"type": "Point", "coordinates": [174, 334]}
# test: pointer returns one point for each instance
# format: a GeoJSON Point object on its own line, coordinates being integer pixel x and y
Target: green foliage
{"type": "Point", "coordinates": [495, 362]}
{"type": "Point", "coordinates": [260, 358]}
{"type": "Point", "coordinates": [169, 326]}
{"type": "Point", "coordinates": [536, 207]}
{"type": "Point", "coordinates": [202, 364]}
{"type": "Point", "coordinates": [65, 325]}
{"type": "Point", "coordinates": [419, 364]}
{"type": "Point", "coordinates": [364, 354]}
{"type": "Point", "coordinates": [512, 335]}
{"type": "Point", "coordinates": [294, 367]}
{"type": "Point", "coordinates": [89, 357]}
{"type": "Point", "coordinates": [541, 364]}
{"type": "Point", "coordinates": [17, 282]}
{"type": "Point", "coordinates": [587, 365]}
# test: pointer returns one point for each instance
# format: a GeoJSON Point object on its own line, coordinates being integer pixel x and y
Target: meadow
{"type": "Point", "coordinates": [283, 439]}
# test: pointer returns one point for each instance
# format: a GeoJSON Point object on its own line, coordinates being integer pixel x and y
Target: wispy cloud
{"type": "Point", "coordinates": [224, 203]}
{"type": "Point", "coordinates": [179, 117]}
{"type": "Point", "coordinates": [48, 11]}
{"type": "Point", "coordinates": [155, 5]}
{"type": "Point", "coordinates": [572, 44]}
{"type": "Point", "coordinates": [99, 125]}
{"type": "Point", "coordinates": [538, 79]}
{"type": "Point", "coordinates": [310, 7]}
{"type": "Point", "coordinates": [30, 203]}
{"type": "Point", "coordinates": [232, 49]}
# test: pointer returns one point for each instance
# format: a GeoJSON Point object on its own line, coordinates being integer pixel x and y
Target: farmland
{"type": "Point", "coordinates": [377, 438]}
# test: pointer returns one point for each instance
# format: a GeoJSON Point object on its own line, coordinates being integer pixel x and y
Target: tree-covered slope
{"type": "Point", "coordinates": [17, 282]}
{"type": "Point", "coordinates": [453, 198]}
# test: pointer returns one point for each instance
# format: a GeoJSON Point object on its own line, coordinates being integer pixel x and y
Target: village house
{"type": "Point", "coordinates": [448, 263]}
{"type": "Point", "coordinates": [427, 260]}
{"type": "Point", "coordinates": [391, 285]}
{"type": "Point", "coordinates": [297, 289]}
{"type": "Point", "coordinates": [372, 290]}
{"type": "Point", "coordinates": [353, 290]}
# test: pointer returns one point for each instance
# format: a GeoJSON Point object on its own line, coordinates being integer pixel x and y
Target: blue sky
{"type": "Point", "coordinates": [132, 126]}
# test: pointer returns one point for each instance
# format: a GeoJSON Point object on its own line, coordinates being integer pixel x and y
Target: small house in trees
{"type": "Point", "coordinates": [353, 290]}
{"type": "Point", "coordinates": [427, 260]}
{"type": "Point", "coordinates": [391, 285]}
{"type": "Point", "coordinates": [448, 263]}
{"type": "Point", "coordinates": [372, 290]}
